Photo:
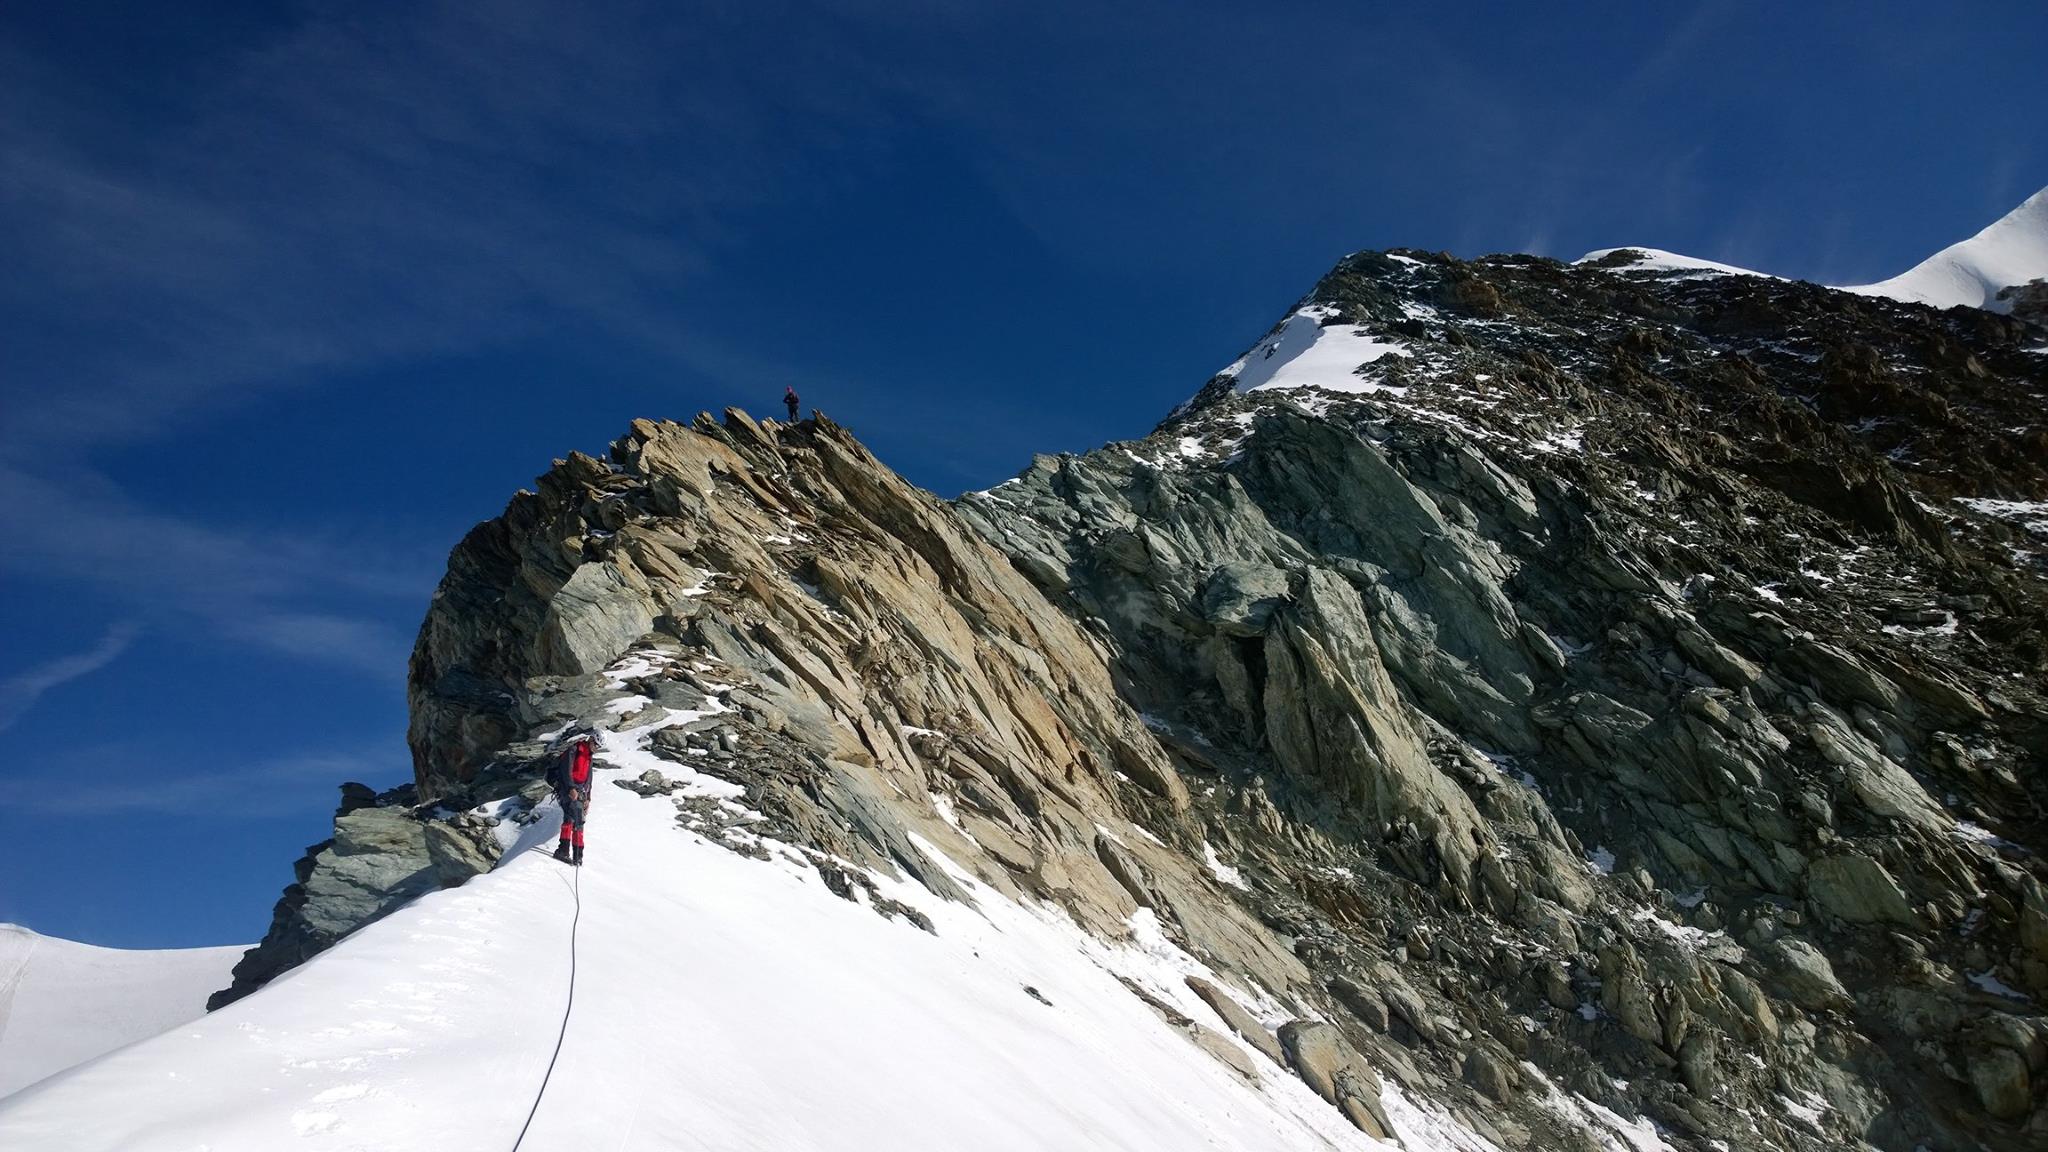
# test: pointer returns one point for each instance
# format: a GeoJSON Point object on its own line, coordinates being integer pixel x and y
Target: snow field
{"type": "Point", "coordinates": [1303, 353]}
{"type": "Point", "coordinates": [721, 1003]}
{"type": "Point", "coordinates": [63, 1003]}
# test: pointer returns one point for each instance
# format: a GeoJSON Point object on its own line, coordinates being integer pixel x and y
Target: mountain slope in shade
{"type": "Point", "coordinates": [1970, 274]}
{"type": "Point", "coordinates": [63, 1003]}
{"type": "Point", "coordinates": [2014, 250]}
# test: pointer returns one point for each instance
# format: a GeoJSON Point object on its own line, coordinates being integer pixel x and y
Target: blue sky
{"type": "Point", "coordinates": [296, 293]}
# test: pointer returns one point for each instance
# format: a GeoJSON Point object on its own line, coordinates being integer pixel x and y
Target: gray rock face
{"type": "Point", "coordinates": [1419, 622]}
{"type": "Point", "coordinates": [1491, 1075]}
{"type": "Point", "coordinates": [1364, 1003]}
{"type": "Point", "coordinates": [597, 614]}
{"type": "Point", "coordinates": [1240, 597]}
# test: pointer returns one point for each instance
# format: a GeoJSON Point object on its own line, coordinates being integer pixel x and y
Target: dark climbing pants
{"type": "Point", "coordinates": [572, 820]}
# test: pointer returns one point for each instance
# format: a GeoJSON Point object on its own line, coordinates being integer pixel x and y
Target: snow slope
{"type": "Point", "coordinates": [2014, 250]}
{"type": "Point", "coordinates": [1303, 352]}
{"type": "Point", "coordinates": [63, 1003]}
{"type": "Point", "coordinates": [720, 1002]}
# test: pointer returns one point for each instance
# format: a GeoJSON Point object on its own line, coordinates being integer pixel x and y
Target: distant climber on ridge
{"type": "Point", "coordinates": [569, 776]}
{"type": "Point", "coordinates": [789, 398]}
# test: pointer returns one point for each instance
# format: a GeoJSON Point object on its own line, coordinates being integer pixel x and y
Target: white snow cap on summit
{"type": "Point", "coordinates": [1658, 260]}
{"type": "Point", "coordinates": [2014, 250]}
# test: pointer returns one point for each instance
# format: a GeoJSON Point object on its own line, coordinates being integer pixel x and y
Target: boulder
{"type": "Point", "coordinates": [1241, 596]}
{"type": "Point", "coordinates": [2003, 1086]}
{"type": "Point", "coordinates": [1359, 1100]}
{"type": "Point", "coordinates": [1697, 1066]}
{"type": "Point", "coordinates": [1556, 984]}
{"type": "Point", "coordinates": [1328, 1064]}
{"type": "Point", "coordinates": [595, 616]}
{"type": "Point", "coordinates": [1317, 1051]}
{"type": "Point", "coordinates": [460, 848]}
{"type": "Point", "coordinates": [1805, 976]}
{"type": "Point", "coordinates": [1491, 1075]}
{"type": "Point", "coordinates": [1854, 887]}
{"type": "Point", "coordinates": [1232, 1056]}
{"type": "Point", "coordinates": [1363, 1002]}
{"type": "Point", "coordinates": [1240, 1021]}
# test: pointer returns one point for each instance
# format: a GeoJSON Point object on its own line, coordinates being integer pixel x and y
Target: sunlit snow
{"type": "Point", "coordinates": [2013, 250]}
{"type": "Point", "coordinates": [1658, 260]}
{"type": "Point", "coordinates": [721, 1002]}
{"type": "Point", "coordinates": [1304, 353]}
{"type": "Point", "coordinates": [63, 1003]}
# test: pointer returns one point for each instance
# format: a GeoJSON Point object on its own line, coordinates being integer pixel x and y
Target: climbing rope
{"type": "Point", "coordinates": [576, 886]}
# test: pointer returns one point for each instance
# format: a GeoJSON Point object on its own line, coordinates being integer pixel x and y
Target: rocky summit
{"type": "Point", "coordinates": [1601, 701]}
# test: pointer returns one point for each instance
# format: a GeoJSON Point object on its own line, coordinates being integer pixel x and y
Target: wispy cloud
{"type": "Point", "coordinates": [126, 780]}
{"type": "Point", "coordinates": [358, 191]}
{"type": "Point", "coordinates": [343, 192]}
{"type": "Point", "coordinates": [19, 692]}
{"type": "Point", "coordinates": [328, 600]}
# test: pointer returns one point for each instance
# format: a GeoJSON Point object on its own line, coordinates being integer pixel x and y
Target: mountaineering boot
{"type": "Point", "coordinates": [562, 852]}
{"type": "Point", "coordinates": [577, 859]}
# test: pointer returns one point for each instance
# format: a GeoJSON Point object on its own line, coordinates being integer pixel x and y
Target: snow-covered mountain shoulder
{"type": "Point", "coordinates": [63, 1003]}
{"type": "Point", "coordinates": [1658, 260]}
{"type": "Point", "coordinates": [1971, 273]}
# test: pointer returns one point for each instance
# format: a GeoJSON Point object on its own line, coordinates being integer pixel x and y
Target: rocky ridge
{"type": "Point", "coordinates": [1618, 700]}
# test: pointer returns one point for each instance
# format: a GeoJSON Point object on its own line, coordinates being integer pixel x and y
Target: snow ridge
{"type": "Point", "coordinates": [2013, 250]}
{"type": "Point", "coordinates": [1970, 273]}
{"type": "Point", "coordinates": [1658, 260]}
{"type": "Point", "coordinates": [725, 1001]}
{"type": "Point", "coordinates": [63, 1003]}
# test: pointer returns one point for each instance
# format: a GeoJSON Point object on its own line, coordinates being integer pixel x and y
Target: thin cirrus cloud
{"type": "Point", "coordinates": [346, 195]}
{"type": "Point", "coordinates": [19, 692]}
{"type": "Point", "coordinates": [330, 601]}
{"type": "Point", "coordinates": [118, 779]}
{"type": "Point", "coordinates": [350, 196]}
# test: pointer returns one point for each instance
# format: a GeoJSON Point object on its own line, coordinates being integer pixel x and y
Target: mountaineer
{"type": "Point", "coordinates": [569, 776]}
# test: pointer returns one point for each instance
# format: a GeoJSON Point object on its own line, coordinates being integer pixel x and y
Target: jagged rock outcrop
{"type": "Point", "coordinates": [1677, 575]}
{"type": "Point", "coordinates": [1621, 692]}
{"type": "Point", "coordinates": [377, 859]}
